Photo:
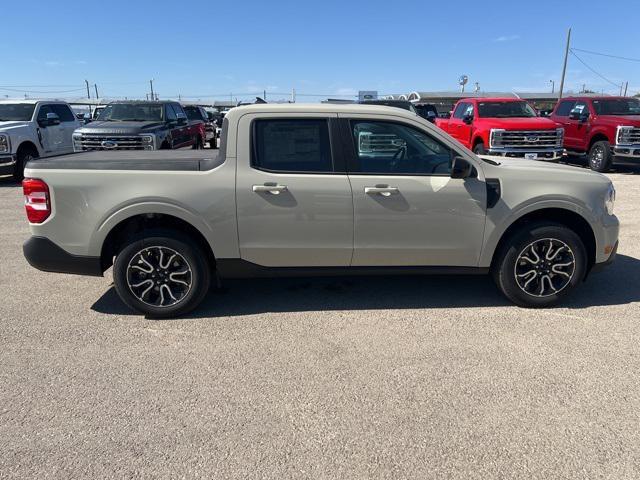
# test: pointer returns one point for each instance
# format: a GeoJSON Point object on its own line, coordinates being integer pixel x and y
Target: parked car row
{"type": "Point", "coordinates": [42, 128]}
{"type": "Point", "coordinates": [605, 129]}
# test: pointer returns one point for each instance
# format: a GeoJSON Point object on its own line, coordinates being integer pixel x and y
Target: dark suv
{"type": "Point", "coordinates": [137, 125]}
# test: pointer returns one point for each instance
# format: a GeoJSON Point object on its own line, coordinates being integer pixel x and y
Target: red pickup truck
{"type": "Point", "coordinates": [507, 127]}
{"type": "Point", "coordinates": [605, 128]}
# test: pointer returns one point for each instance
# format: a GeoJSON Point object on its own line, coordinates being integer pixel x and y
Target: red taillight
{"type": "Point", "coordinates": [36, 200]}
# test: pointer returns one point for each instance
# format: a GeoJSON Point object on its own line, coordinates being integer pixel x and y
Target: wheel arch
{"type": "Point", "coordinates": [563, 216]}
{"type": "Point", "coordinates": [133, 226]}
{"type": "Point", "coordinates": [597, 137]}
{"type": "Point", "coordinates": [28, 144]}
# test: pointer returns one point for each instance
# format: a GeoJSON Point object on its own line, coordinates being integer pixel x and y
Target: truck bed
{"type": "Point", "coordinates": [164, 160]}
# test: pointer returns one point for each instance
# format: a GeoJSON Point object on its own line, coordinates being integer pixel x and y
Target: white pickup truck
{"type": "Point", "coordinates": [317, 189]}
{"type": "Point", "coordinates": [33, 129]}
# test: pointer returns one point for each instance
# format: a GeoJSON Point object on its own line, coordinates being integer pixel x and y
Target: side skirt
{"type": "Point", "coordinates": [238, 268]}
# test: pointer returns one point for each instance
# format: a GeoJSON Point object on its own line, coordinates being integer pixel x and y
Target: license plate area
{"type": "Point", "coordinates": [531, 156]}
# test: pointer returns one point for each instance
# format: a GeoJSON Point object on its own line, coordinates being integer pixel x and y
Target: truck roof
{"type": "Point", "coordinates": [149, 102]}
{"type": "Point", "coordinates": [492, 99]}
{"type": "Point", "coordinates": [321, 108]}
{"type": "Point", "coordinates": [30, 101]}
{"type": "Point", "coordinates": [595, 97]}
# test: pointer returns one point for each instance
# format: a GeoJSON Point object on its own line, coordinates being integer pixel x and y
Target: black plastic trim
{"type": "Point", "coordinates": [494, 191]}
{"type": "Point", "coordinates": [239, 268]}
{"type": "Point", "coordinates": [45, 255]}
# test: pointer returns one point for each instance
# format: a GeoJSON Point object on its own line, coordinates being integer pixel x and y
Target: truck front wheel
{"type": "Point", "coordinates": [162, 274]}
{"type": "Point", "coordinates": [540, 265]}
{"type": "Point", "coordinates": [479, 149]}
{"type": "Point", "coordinates": [600, 157]}
{"type": "Point", "coordinates": [24, 155]}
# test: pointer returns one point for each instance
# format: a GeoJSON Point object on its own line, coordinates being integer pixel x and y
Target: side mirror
{"type": "Point", "coordinates": [182, 118]}
{"type": "Point", "coordinates": [467, 119]}
{"type": "Point", "coordinates": [431, 116]}
{"type": "Point", "coordinates": [461, 168]}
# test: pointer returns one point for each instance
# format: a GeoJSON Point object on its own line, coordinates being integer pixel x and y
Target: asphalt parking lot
{"type": "Point", "coordinates": [387, 377]}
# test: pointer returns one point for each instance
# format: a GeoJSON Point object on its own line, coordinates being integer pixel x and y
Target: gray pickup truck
{"type": "Point", "coordinates": [317, 189]}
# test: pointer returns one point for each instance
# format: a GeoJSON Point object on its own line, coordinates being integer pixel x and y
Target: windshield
{"type": "Point", "coordinates": [505, 110]}
{"type": "Point", "coordinates": [131, 112]}
{"type": "Point", "coordinates": [615, 106]}
{"type": "Point", "coordinates": [21, 112]}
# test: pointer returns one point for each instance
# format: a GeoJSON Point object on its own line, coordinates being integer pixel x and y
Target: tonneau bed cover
{"type": "Point", "coordinates": [169, 160]}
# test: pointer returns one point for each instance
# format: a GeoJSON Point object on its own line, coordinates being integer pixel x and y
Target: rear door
{"type": "Point", "coordinates": [408, 211]}
{"type": "Point", "coordinates": [293, 195]}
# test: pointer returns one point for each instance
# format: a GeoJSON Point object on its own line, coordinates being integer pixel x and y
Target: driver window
{"type": "Point", "coordinates": [390, 148]}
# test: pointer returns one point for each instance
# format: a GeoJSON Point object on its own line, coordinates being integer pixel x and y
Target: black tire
{"type": "Point", "coordinates": [163, 285]}
{"type": "Point", "coordinates": [198, 144]}
{"type": "Point", "coordinates": [599, 156]}
{"type": "Point", "coordinates": [24, 155]}
{"type": "Point", "coordinates": [479, 149]}
{"type": "Point", "coordinates": [561, 243]}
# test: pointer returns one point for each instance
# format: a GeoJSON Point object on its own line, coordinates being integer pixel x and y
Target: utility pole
{"type": "Point", "coordinates": [626, 86]}
{"type": "Point", "coordinates": [95, 85]}
{"type": "Point", "coordinates": [151, 83]}
{"type": "Point", "coordinates": [88, 96]}
{"type": "Point", "coordinates": [264, 95]}
{"type": "Point", "coordinates": [553, 86]}
{"type": "Point", "coordinates": [564, 66]}
{"type": "Point", "coordinates": [293, 95]}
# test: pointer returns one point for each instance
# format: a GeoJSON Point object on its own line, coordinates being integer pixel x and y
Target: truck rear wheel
{"type": "Point", "coordinates": [540, 265]}
{"type": "Point", "coordinates": [599, 156]}
{"type": "Point", "coordinates": [162, 275]}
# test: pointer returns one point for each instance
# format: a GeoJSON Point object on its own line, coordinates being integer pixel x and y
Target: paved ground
{"type": "Point", "coordinates": [349, 378]}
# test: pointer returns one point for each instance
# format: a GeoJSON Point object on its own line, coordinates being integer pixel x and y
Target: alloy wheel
{"type": "Point", "coordinates": [545, 267]}
{"type": "Point", "coordinates": [159, 276]}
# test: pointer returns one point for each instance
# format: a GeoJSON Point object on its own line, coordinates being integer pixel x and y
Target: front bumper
{"type": "Point", "coordinates": [7, 163]}
{"type": "Point", "coordinates": [541, 154]}
{"type": "Point", "coordinates": [631, 152]}
{"type": "Point", "coordinates": [598, 267]}
{"type": "Point", "coordinates": [45, 255]}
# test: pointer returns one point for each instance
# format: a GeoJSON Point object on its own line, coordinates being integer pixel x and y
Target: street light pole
{"type": "Point", "coordinates": [553, 86]}
{"type": "Point", "coordinates": [151, 83]}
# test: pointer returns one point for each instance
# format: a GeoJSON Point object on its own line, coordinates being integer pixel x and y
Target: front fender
{"type": "Point", "coordinates": [501, 217]}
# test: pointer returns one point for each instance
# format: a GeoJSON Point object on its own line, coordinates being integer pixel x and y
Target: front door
{"type": "Point", "coordinates": [408, 211]}
{"type": "Point", "coordinates": [458, 128]}
{"type": "Point", "coordinates": [51, 137]}
{"type": "Point", "coordinates": [575, 129]}
{"type": "Point", "coordinates": [293, 196]}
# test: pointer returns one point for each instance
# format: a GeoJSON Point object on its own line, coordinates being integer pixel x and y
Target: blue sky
{"type": "Point", "coordinates": [199, 48]}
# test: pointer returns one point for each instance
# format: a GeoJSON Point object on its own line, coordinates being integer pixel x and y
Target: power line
{"type": "Point", "coordinates": [607, 55]}
{"type": "Point", "coordinates": [21, 90]}
{"type": "Point", "coordinates": [594, 71]}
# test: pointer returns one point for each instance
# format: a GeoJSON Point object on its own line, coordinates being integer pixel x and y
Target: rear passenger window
{"type": "Point", "coordinates": [565, 107]}
{"type": "Point", "coordinates": [292, 146]}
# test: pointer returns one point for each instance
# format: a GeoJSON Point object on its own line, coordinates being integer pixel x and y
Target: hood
{"type": "Point", "coordinates": [10, 125]}
{"type": "Point", "coordinates": [520, 167]}
{"type": "Point", "coordinates": [120, 128]}
{"type": "Point", "coordinates": [523, 123]}
{"type": "Point", "coordinates": [615, 120]}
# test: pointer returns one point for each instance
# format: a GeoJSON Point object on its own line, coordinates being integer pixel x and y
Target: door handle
{"type": "Point", "coordinates": [384, 191]}
{"type": "Point", "coordinates": [273, 189]}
